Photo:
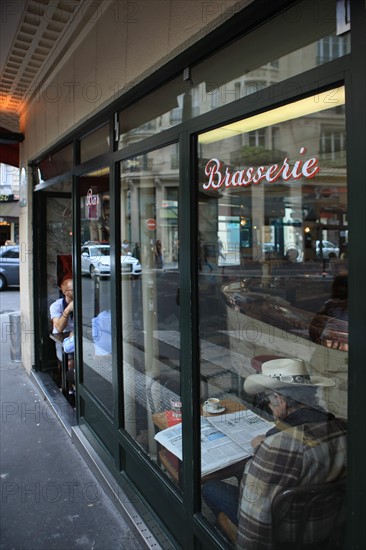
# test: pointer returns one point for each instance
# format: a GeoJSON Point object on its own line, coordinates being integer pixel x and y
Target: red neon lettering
{"type": "Point", "coordinates": [227, 178]}
{"type": "Point", "coordinates": [271, 170]}
{"type": "Point", "coordinates": [237, 178]}
{"type": "Point", "coordinates": [249, 175]}
{"type": "Point", "coordinates": [296, 172]}
{"type": "Point", "coordinates": [260, 175]}
{"type": "Point", "coordinates": [286, 173]}
{"type": "Point", "coordinates": [307, 169]}
{"type": "Point", "coordinates": [213, 168]}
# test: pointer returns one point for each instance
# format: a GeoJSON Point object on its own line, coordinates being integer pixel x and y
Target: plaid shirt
{"type": "Point", "coordinates": [309, 447]}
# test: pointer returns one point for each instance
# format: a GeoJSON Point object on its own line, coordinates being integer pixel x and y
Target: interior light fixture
{"type": "Point", "coordinates": [98, 173]}
{"type": "Point", "coordinates": [307, 106]}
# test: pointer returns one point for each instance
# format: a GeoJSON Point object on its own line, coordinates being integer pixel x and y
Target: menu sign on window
{"type": "Point", "coordinates": [92, 205]}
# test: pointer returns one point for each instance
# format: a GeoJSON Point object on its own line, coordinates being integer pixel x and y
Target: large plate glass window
{"type": "Point", "coordinates": [311, 40]}
{"type": "Point", "coordinates": [55, 164]}
{"type": "Point", "coordinates": [150, 300]}
{"type": "Point", "coordinates": [94, 144]}
{"type": "Point", "coordinates": [95, 254]}
{"type": "Point", "coordinates": [273, 238]}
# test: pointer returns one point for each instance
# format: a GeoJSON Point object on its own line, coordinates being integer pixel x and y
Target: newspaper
{"type": "Point", "coordinates": [225, 439]}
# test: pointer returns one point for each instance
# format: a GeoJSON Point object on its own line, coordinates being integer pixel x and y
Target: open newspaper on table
{"type": "Point", "coordinates": [225, 439]}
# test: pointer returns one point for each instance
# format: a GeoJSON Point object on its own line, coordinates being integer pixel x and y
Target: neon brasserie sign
{"type": "Point", "coordinates": [218, 177]}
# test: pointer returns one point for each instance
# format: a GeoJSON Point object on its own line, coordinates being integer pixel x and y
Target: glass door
{"type": "Point", "coordinates": [150, 303]}
{"type": "Point", "coordinates": [54, 235]}
{"type": "Point", "coordinates": [95, 255]}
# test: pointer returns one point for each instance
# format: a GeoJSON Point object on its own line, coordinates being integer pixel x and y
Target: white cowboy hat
{"type": "Point", "coordinates": [284, 372]}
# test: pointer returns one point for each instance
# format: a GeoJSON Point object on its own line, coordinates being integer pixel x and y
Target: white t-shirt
{"type": "Point", "coordinates": [56, 310]}
{"type": "Point", "coordinates": [69, 344]}
{"type": "Point", "coordinates": [102, 333]}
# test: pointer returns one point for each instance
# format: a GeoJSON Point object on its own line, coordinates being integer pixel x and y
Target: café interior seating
{"type": "Point", "coordinates": [227, 526]}
{"type": "Point", "coordinates": [300, 505]}
{"type": "Point", "coordinates": [160, 391]}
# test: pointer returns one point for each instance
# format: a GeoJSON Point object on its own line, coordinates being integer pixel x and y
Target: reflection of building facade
{"type": "Point", "coordinates": [320, 201]}
{"type": "Point", "coordinates": [222, 163]}
{"type": "Point", "coordinates": [263, 143]}
{"type": "Point", "coordinates": [158, 210]}
{"type": "Point", "coordinates": [9, 204]}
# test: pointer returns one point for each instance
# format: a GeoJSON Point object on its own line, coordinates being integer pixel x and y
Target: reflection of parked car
{"type": "Point", "coordinates": [9, 266]}
{"type": "Point", "coordinates": [328, 250]}
{"type": "Point", "coordinates": [95, 260]}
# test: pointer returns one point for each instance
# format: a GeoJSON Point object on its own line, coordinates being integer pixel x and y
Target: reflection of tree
{"type": "Point", "coordinates": [246, 156]}
{"type": "Point", "coordinates": [257, 155]}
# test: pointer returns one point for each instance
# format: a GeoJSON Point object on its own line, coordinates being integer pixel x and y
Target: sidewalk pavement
{"type": "Point", "coordinates": [50, 499]}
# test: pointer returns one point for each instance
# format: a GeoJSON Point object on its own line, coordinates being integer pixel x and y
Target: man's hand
{"type": "Point", "coordinates": [256, 441]}
{"type": "Point", "coordinates": [60, 322]}
{"type": "Point", "coordinates": [69, 308]}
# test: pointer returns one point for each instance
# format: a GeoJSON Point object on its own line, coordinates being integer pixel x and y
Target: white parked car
{"type": "Point", "coordinates": [328, 250]}
{"type": "Point", "coordinates": [96, 261]}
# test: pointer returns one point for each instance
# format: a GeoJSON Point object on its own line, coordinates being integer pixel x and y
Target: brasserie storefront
{"type": "Point", "coordinates": [206, 216]}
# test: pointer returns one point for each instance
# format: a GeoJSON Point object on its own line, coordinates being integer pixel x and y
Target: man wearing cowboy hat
{"type": "Point", "coordinates": [306, 446]}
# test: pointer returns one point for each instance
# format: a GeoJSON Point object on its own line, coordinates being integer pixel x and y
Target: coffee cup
{"type": "Point", "coordinates": [212, 404]}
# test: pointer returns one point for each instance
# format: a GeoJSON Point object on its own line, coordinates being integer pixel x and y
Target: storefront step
{"type": "Point", "coordinates": [63, 410]}
{"type": "Point", "coordinates": [141, 522]}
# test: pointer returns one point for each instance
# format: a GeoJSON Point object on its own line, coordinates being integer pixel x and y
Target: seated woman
{"type": "Point", "coordinates": [299, 450]}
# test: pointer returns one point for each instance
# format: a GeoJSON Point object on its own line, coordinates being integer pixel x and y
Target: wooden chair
{"type": "Point", "coordinates": [314, 516]}
{"type": "Point", "coordinates": [228, 527]}
{"type": "Point", "coordinates": [297, 511]}
{"type": "Point", "coordinates": [160, 390]}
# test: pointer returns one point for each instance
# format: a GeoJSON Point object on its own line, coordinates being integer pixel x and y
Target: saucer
{"type": "Point", "coordinates": [213, 411]}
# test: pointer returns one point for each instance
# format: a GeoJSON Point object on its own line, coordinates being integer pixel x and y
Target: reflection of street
{"type": "Point", "coordinates": [230, 258]}
{"type": "Point", "coordinates": [224, 361]}
{"type": "Point", "coordinates": [10, 301]}
{"type": "Point", "coordinates": [96, 293]}
{"type": "Point", "coordinates": [96, 297]}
